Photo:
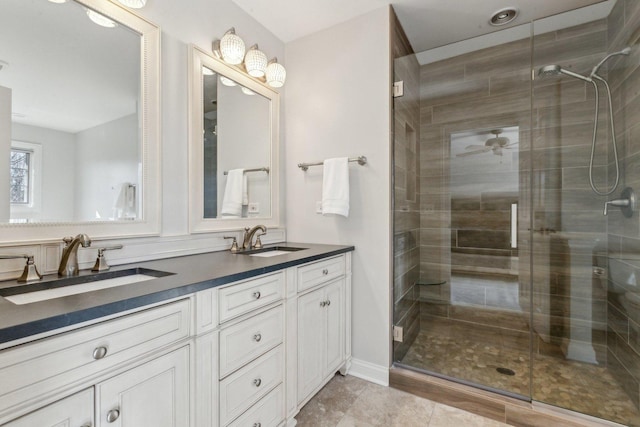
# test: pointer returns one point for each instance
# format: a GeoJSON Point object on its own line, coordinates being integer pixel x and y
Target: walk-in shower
{"type": "Point", "coordinates": [507, 275]}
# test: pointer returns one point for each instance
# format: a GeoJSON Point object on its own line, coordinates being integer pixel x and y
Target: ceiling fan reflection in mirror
{"type": "Point", "coordinates": [495, 144]}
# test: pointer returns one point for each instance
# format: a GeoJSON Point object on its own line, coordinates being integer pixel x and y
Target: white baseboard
{"type": "Point", "coordinates": [370, 372]}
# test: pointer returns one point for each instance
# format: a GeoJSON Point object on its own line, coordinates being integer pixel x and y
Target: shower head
{"type": "Point", "coordinates": [625, 51]}
{"type": "Point", "coordinates": [553, 70]}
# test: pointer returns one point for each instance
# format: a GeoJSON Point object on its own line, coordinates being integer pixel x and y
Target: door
{"type": "Point", "coordinates": [311, 345]}
{"type": "Point", "coordinates": [154, 394]}
{"type": "Point", "coordinates": [75, 410]}
{"type": "Point", "coordinates": [334, 313]}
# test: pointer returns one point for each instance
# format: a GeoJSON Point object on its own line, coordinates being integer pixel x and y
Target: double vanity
{"type": "Point", "coordinates": [214, 339]}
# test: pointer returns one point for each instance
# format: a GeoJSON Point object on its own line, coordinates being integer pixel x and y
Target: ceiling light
{"type": "Point", "coordinates": [247, 91]}
{"type": "Point", "coordinates": [232, 47]}
{"type": "Point", "coordinates": [101, 20]}
{"type": "Point", "coordinates": [207, 72]}
{"type": "Point", "coordinates": [503, 16]}
{"type": "Point", "coordinates": [275, 73]}
{"type": "Point", "coordinates": [227, 81]}
{"type": "Point", "coordinates": [133, 4]}
{"type": "Point", "coordinates": [255, 61]}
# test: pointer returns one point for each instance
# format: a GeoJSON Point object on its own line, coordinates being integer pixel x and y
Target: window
{"type": "Point", "coordinates": [21, 172]}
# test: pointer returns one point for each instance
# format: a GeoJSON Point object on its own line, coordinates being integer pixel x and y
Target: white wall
{"type": "Point", "coordinates": [337, 104]}
{"type": "Point", "coordinates": [106, 157]}
{"type": "Point", "coordinates": [58, 171]}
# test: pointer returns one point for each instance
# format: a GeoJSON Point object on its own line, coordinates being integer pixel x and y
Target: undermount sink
{"type": "Point", "coordinates": [63, 287]}
{"type": "Point", "coordinates": [272, 251]}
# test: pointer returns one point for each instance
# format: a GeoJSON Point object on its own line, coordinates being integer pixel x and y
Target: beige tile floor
{"type": "Point", "coordinates": [352, 402]}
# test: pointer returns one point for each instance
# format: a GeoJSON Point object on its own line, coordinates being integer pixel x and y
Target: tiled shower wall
{"type": "Point", "coordinates": [490, 89]}
{"type": "Point", "coordinates": [406, 192]}
{"type": "Point", "coordinates": [623, 338]}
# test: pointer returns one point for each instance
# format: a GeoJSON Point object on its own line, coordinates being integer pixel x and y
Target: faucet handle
{"type": "Point", "coordinates": [101, 262]}
{"type": "Point", "coordinates": [30, 272]}
{"type": "Point", "coordinates": [258, 244]}
{"type": "Point", "coordinates": [67, 240]}
{"type": "Point", "coordinates": [234, 244]}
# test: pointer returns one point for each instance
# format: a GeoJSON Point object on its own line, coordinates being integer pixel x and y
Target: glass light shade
{"type": "Point", "coordinates": [255, 62]}
{"type": "Point", "coordinates": [101, 20]}
{"type": "Point", "coordinates": [227, 81]}
{"type": "Point", "coordinates": [232, 48]}
{"type": "Point", "coordinates": [134, 4]}
{"type": "Point", "coordinates": [207, 72]}
{"type": "Point", "coordinates": [247, 91]}
{"type": "Point", "coordinates": [58, 1]}
{"type": "Point", "coordinates": [275, 74]}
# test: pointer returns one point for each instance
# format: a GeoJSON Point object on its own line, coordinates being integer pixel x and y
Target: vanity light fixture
{"type": "Point", "coordinates": [255, 61]}
{"type": "Point", "coordinates": [101, 20]}
{"type": "Point", "coordinates": [58, 1]}
{"type": "Point", "coordinates": [207, 71]}
{"type": "Point", "coordinates": [247, 91]}
{"type": "Point", "coordinates": [227, 81]}
{"type": "Point", "coordinates": [133, 4]}
{"type": "Point", "coordinates": [232, 47]}
{"type": "Point", "coordinates": [275, 73]}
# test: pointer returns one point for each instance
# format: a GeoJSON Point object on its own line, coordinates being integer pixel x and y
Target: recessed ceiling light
{"type": "Point", "coordinates": [503, 16]}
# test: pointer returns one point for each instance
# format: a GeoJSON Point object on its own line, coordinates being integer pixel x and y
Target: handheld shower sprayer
{"type": "Point", "coordinates": [553, 70]}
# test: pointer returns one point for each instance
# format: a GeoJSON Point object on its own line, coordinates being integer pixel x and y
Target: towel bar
{"type": "Point", "coordinates": [252, 170]}
{"type": "Point", "coordinates": [362, 160]}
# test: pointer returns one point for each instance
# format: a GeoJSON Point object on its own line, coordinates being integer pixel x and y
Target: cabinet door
{"type": "Point", "coordinates": [76, 410]}
{"type": "Point", "coordinates": [154, 394]}
{"type": "Point", "coordinates": [311, 331]}
{"type": "Point", "coordinates": [334, 314]}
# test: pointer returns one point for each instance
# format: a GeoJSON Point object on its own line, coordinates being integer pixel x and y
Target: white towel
{"type": "Point", "coordinates": [335, 187]}
{"type": "Point", "coordinates": [124, 206]}
{"type": "Point", "coordinates": [235, 193]}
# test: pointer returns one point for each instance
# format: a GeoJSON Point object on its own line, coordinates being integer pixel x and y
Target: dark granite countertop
{"type": "Point", "coordinates": [191, 274]}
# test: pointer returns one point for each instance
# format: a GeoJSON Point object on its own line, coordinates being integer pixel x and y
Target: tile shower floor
{"type": "Point", "coordinates": [582, 387]}
{"type": "Point", "coordinates": [349, 402]}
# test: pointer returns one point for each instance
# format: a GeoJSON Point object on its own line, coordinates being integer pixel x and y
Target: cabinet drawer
{"type": "Point", "coordinates": [241, 298]}
{"type": "Point", "coordinates": [30, 371]}
{"type": "Point", "coordinates": [268, 412]}
{"type": "Point", "coordinates": [244, 388]}
{"type": "Point", "coordinates": [244, 341]}
{"type": "Point", "coordinates": [319, 272]}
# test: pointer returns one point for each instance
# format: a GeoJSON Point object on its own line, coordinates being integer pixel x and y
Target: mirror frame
{"type": "Point", "coordinates": [198, 58]}
{"type": "Point", "coordinates": [149, 116]}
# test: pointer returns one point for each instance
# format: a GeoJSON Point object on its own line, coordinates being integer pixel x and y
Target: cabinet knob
{"type": "Point", "coordinates": [323, 303]}
{"type": "Point", "coordinates": [257, 425]}
{"type": "Point", "coordinates": [256, 294]}
{"type": "Point", "coordinates": [86, 425]}
{"type": "Point", "coordinates": [325, 271]}
{"type": "Point", "coordinates": [113, 415]}
{"type": "Point", "coordinates": [328, 302]}
{"type": "Point", "coordinates": [99, 353]}
{"type": "Point", "coordinates": [257, 382]}
{"type": "Point", "coordinates": [257, 337]}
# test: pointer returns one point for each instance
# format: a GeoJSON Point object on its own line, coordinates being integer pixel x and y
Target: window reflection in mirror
{"type": "Point", "coordinates": [73, 91]}
{"type": "Point", "coordinates": [237, 147]}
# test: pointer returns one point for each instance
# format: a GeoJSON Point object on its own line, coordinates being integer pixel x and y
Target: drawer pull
{"type": "Point", "coordinates": [99, 353]}
{"type": "Point", "coordinates": [257, 337]}
{"type": "Point", "coordinates": [257, 382]}
{"type": "Point", "coordinates": [325, 271]}
{"type": "Point", "coordinates": [113, 415]}
{"type": "Point", "coordinates": [256, 294]}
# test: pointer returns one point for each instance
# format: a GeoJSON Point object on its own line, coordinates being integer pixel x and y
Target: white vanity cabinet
{"type": "Point", "coordinates": [120, 360]}
{"type": "Point", "coordinates": [75, 410]}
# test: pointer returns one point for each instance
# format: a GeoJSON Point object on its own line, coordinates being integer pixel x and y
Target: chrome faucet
{"type": "Point", "coordinates": [247, 242]}
{"type": "Point", "coordinates": [69, 262]}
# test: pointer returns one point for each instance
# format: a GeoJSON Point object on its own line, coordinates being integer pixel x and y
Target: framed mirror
{"type": "Point", "coordinates": [79, 120]}
{"type": "Point", "coordinates": [233, 147]}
